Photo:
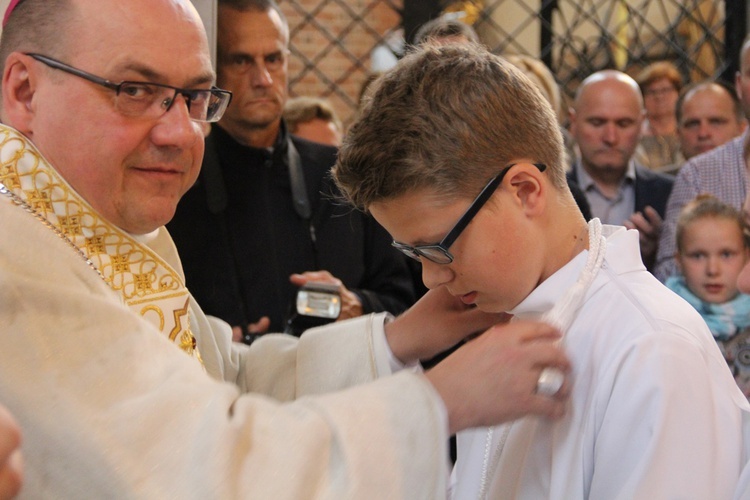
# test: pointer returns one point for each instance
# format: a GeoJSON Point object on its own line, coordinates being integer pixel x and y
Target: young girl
{"type": "Point", "coordinates": [711, 251]}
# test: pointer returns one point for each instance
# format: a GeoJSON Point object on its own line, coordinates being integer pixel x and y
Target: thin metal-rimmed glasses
{"type": "Point", "coordinates": [151, 100]}
{"type": "Point", "coordinates": [439, 253]}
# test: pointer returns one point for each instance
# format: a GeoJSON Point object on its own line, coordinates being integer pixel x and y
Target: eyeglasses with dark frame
{"type": "Point", "coordinates": [439, 253]}
{"type": "Point", "coordinates": [146, 99]}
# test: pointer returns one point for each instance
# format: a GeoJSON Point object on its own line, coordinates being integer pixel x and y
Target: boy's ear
{"type": "Point", "coordinates": [528, 187]}
{"type": "Point", "coordinates": [19, 85]}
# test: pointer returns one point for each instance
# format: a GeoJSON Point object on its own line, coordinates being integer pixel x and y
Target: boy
{"type": "Point", "coordinates": [450, 122]}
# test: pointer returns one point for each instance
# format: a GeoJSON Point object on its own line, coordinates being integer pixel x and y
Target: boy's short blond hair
{"type": "Point", "coordinates": [447, 118]}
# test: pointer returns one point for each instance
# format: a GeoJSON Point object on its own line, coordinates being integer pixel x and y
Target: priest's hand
{"type": "Point", "coordinates": [493, 378]}
{"type": "Point", "coordinates": [437, 322]}
{"type": "Point", "coordinates": [11, 467]}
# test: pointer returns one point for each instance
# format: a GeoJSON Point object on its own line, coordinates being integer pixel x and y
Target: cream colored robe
{"type": "Point", "coordinates": [111, 409]}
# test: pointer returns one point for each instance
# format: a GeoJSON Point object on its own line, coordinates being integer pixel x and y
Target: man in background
{"type": "Point", "coordinates": [720, 172]}
{"type": "Point", "coordinates": [314, 119]}
{"type": "Point", "coordinates": [263, 217]}
{"type": "Point", "coordinates": [708, 115]}
{"type": "Point", "coordinates": [445, 29]}
{"type": "Point", "coordinates": [605, 121]}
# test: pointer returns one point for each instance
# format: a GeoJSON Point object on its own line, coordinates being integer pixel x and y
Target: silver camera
{"type": "Point", "coordinates": [315, 304]}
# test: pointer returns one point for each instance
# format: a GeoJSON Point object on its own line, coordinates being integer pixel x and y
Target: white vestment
{"type": "Point", "coordinates": [654, 410]}
{"type": "Point", "coordinates": [112, 408]}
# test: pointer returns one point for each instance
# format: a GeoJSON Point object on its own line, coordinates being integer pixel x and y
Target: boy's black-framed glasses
{"type": "Point", "coordinates": [439, 253]}
{"type": "Point", "coordinates": [152, 100]}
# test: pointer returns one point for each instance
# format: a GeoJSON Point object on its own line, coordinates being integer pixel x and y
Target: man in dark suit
{"type": "Point", "coordinates": [605, 120]}
{"type": "Point", "coordinates": [264, 216]}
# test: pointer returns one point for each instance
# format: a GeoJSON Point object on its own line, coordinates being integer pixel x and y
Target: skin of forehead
{"type": "Point", "coordinates": [662, 82]}
{"type": "Point", "coordinates": [709, 87]}
{"type": "Point", "coordinates": [598, 96]}
{"type": "Point", "coordinates": [610, 78]}
{"type": "Point", "coordinates": [116, 32]}
{"type": "Point", "coordinates": [237, 40]}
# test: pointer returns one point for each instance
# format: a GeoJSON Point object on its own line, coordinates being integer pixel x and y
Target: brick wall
{"type": "Point", "coordinates": [330, 45]}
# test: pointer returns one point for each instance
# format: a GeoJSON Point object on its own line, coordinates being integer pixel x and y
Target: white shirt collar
{"type": "Point", "coordinates": [585, 181]}
{"type": "Point", "coordinates": [623, 254]}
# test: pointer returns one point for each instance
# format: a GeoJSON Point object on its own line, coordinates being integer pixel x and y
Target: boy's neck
{"type": "Point", "coordinates": [569, 236]}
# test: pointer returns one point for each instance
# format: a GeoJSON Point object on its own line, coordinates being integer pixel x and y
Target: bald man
{"type": "Point", "coordinates": [605, 121]}
{"type": "Point", "coordinates": [709, 114]}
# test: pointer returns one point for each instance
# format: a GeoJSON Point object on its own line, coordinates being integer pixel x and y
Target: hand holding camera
{"type": "Point", "coordinates": [351, 305]}
{"type": "Point", "coordinates": [321, 299]}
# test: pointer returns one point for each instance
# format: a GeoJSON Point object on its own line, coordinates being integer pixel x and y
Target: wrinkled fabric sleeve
{"type": "Point", "coordinates": [111, 409]}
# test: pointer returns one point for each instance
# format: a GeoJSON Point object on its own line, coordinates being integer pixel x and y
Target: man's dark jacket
{"type": "Point", "coordinates": [651, 188]}
{"type": "Point", "coordinates": [239, 236]}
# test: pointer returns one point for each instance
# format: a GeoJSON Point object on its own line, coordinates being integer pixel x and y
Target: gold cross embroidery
{"type": "Point", "coordinates": [121, 263]}
{"type": "Point", "coordinates": [9, 177]}
{"type": "Point", "coordinates": [70, 224]}
{"type": "Point", "coordinates": [143, 283]}
{"type": "Point", "coordinates": [95, 245]}
{"type": "Point", "coordinates": [40, 201]}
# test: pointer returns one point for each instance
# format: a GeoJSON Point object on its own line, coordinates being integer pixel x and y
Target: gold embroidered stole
{"type": "Point", "coordinates": [147, 284]}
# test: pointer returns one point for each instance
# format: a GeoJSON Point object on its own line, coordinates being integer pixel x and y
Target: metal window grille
{"type": "Point", "coordinates": [332, 41]}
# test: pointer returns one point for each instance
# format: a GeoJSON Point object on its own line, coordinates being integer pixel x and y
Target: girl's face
{"type": "Point", "coordinates": [713, 254]}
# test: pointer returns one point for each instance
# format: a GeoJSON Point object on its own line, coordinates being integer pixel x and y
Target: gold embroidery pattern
{"type": "Point", "coordinates": [95, 245]}
{"type": "Point", "coordinates": [159, 314]}
{"type": "Point", "coordinates": [40, 202]}
{"type": "Point", "coordinates": [179, 315]}
{"type": "Point", "coordinates": [70, 225]}
{"type": "Point", "coordinates": [126, 265]}
{"type": "Point", "coordinates": [120, 263]}
{"type": "Point", "coordinates": [8, 175]}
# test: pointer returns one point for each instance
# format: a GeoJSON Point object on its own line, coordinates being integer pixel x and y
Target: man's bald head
{"type": "Point", "coordinates": [607, 77]}
{"type": "Point", "coordinates": [605, 121]}
{"type": "Point", "coordinates": [37, 26]}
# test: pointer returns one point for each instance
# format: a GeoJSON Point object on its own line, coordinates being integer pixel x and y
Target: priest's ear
{"type": "Point", "coordinates": [19, 84]}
